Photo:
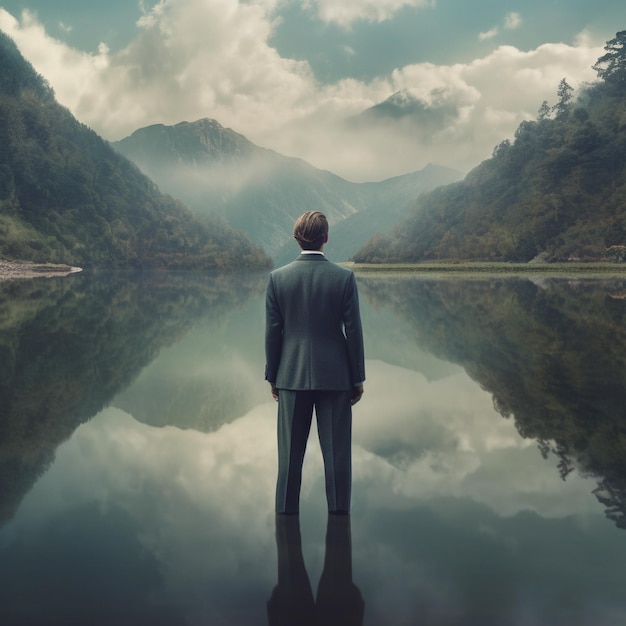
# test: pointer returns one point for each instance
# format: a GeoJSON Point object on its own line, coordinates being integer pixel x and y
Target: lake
{"type": "Point", "coordinates": [138, 457]}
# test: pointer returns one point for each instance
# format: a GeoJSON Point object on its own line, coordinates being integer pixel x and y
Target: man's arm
{"type": "Point", "coordinates": [354, 336]}
{"type": "Point", "coordinates": [273, 336]}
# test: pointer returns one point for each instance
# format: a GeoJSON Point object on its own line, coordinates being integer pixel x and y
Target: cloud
{"type": "Point", "coordinates": [490, 34]}
{"type": "Point", "coordinates": [512, 21]}
{"type": "Point", "coordinates": [190, 59]}
{"type": "Point", "coordinates": [346, 12]}
{"type": "Point", "coordinates": [491, 95]}
{"type": "Point", "coordinates": [212, 58]}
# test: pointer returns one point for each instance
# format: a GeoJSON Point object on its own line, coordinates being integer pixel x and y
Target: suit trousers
{"type": "Point", "coordinates": [333, 411]}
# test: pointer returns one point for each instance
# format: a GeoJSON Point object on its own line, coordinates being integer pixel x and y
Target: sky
{"type": "Point", "coordinates": [296, 75]}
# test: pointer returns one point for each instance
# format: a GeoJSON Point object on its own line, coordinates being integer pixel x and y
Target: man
{"type": "Point", "coordinates": [314, 359]}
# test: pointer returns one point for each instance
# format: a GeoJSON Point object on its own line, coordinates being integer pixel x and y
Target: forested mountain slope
{"type": "Point", "coordinates": [67, 196]}
{"type": "Point", "coordinates": [215, 170]}
{"type": "Point", "coordinates": [558, 190]}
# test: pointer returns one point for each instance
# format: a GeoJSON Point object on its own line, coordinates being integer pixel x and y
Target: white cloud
{"type": "Point", "coordinates": [346, 12]}
{"type": "Point", "coordinates": [489, 34]}
{"type": "Point", "coordinates": [212, 58]}
{"type": "Point", "coordinates": [512, 21]}
{"type": "Point", "coordinates": [492, 94]}
{"type": "Point", "coordinates": [191, 59]}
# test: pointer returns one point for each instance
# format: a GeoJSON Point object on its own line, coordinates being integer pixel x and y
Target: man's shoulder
{"type": "Point", "coordinates": [283, 269]}
{"type": "Point", "coordinates": [308, 263]}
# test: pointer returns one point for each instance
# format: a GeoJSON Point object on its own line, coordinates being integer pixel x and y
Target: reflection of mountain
{"type": "Point", "coordinates": [68, 346]}
{"type": "Point", "coordinates": [215, 373]}
{"type": "Point", "coordinates": [552, 355]}
{"type": "Point", "coordinates": [386, 340]}
{"type": "Point", "coordinates": [209, 378]}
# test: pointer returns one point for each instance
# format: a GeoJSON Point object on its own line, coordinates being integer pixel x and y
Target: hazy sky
{"type": "Point", "coordinates": [288, 74]}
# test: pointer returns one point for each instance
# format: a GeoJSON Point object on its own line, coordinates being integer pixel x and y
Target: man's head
{"type": "Point", "coordinates": [311, 230]}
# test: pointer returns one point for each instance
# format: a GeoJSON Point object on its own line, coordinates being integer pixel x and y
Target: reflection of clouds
{"type": "Point", "coordinates": [414, 440]}
{"type": "Point", "coordinates": [210, 377]}
{"type": "Point", "coordinates": [444, 438]}
{"type": "Point", "coordinates": [203, 504]}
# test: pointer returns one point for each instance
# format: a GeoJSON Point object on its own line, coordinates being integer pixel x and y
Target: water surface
{"type": "Point", "coordinates": [138, 457]}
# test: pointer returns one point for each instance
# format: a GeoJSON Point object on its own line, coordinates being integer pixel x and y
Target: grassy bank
{"type": "Point", "coordinates": [498, 269]}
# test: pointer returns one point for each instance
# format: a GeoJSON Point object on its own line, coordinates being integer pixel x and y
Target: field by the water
{"type": "Point", "coordinates": [484, 268]}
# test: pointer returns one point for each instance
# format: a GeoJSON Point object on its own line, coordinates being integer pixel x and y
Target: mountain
{"type": "Point", "coordinates": [557, 192]}
{"type": "Point", "coordinates": [66, 196]}
{"type": "Point", "coordinates": [425, 118]}
{"type": "Point", "coordinates": [218, 171]}
{"type": "Point", "coordinates": [388, 203]}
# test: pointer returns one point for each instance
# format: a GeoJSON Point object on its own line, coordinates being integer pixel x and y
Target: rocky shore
{"type": "Point", "coordinates": [10, 270]}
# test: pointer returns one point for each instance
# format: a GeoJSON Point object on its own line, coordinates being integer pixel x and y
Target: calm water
{"type": "Point", "coordinates": [138, 458]}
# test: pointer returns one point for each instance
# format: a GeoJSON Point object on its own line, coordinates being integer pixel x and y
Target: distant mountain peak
{"type": "Point", "coordinates": [195, 144]}
{"type": "Point", "coordinates": [428, 116]}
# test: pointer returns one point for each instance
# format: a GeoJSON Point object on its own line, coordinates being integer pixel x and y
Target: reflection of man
{"type": "Point", "coordinates": [339, 601]}
{"type": "Point", "coordinates": [314, 359]}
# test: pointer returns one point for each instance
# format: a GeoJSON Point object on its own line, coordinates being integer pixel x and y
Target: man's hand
{"type": "Point", "coordinates": [357, 394]}
{"type": "Point", "coordinates": [274, 392]}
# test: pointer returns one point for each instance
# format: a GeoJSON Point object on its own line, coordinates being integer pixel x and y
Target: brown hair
{"type": "Point", "coordinates": [310, 230]}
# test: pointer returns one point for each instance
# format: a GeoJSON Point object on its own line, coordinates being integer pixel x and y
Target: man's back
{"type": "Point", "coordinates": [314, 338]}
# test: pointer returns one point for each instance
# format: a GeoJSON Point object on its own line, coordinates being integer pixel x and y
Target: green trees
{"type": "Point", "coordinates": [611, 67]}
{"type": "Point", "coordinates": [557, 190]}
{"type": "Point", "coordinates": [565, 93]}
{"type": "Point", "coordinates": [67, 196]}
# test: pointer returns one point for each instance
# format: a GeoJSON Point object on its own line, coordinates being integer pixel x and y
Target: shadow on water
{"type": "Point", "coordinates": [68, 346]}
{"type": "Point", "coordinates": [551, 352]}
{"type": "Point", "coordinates": [338, 601]}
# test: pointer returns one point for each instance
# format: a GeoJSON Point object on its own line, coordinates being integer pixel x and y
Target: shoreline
{"type": "Point", "coordinates": [10, 270]}
{"type": "Point", "coordinates": [491, 269]}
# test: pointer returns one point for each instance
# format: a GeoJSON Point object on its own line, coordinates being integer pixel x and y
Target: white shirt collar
{"type": "Point", "coordinates": [311, 252]}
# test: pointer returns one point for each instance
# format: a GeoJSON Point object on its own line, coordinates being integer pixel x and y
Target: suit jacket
{"type": "Point", "coordinates": [313, 333]}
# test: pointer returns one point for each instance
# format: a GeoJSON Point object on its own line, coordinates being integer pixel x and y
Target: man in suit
{"type": "Point", "coordinates": [314, 360]}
